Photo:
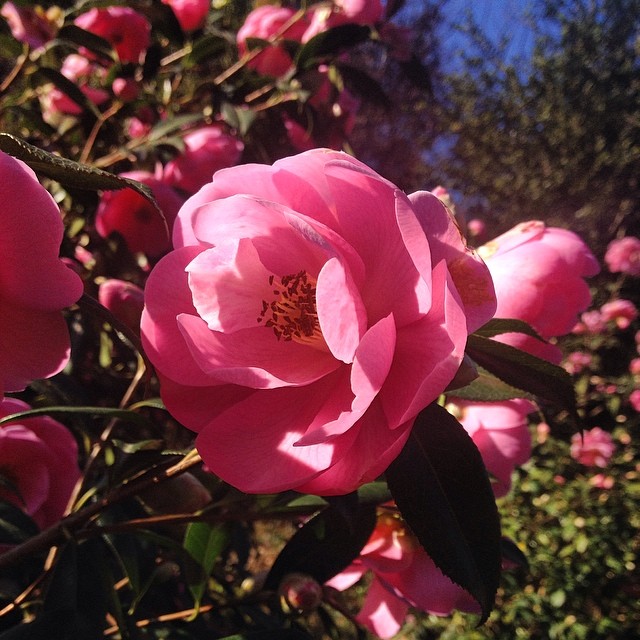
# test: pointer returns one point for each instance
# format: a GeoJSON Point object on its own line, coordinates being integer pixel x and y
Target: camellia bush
{"type": "Point", "coordinates": [249, 387]}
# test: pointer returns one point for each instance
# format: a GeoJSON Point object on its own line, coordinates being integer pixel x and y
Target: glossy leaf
{"type": "Point", "coordinates": [487, 388]}
{"type": "Point", "coordinates": [68, 172]}
{"type": "Point", "coordinates": [523, 371]}
{"type": "Point", "coordinates": [205, 543]}
{"type": "Point", "coordinates": [444, 494]}
{"type": "Point", "coordinates": [330, 42]}
{"type": "Point", "coordinates": [497, 326]}
{"type": "Point", "coordinates": [327, 543]}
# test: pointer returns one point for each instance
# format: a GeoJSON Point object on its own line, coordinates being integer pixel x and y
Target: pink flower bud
{"type": "Point", "coordinates": [623, 256]}
{"type": "Point", "coordinates": [191, 14]}
{"type": "Point", "coordinates": [300, 592]}
{"type": "Point", "coordinates": [124, 299]}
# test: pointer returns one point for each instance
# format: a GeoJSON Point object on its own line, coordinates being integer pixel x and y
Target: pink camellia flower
{"type": "Point", "coordinates": [623, 255]}
{"type": "Point", "coordinates": [500, 431]}
{"type": "Point", "coordinates": [35, 285]}
{"type": "Point", "coordinates": [28, 25]}
{"type": "Point", "coordinates": [128, 31]}
{"type": "Point", "coordinates": [538, 275]}
{"type": "Point", "coordinates": [622, 312]}
{"type": "Point", "coordinates": [634, 367]}
{"type": "Point", "coordinates": [634, 400]}
{"type": "Point", "coordinates": [592, 448]}
{"type": "Point", "coordinates": [264, 23]}
{"type": "Point", "coordinates": [135, 218]}
{"type": "Point", "coordinates": [38, 464]}
{"type": "Point", "coordinates": [124, 299]}
{"type": "Point", "coordinates": [308, 312]}
{"type": "Point", "coordinates": [327, 16]}
{"type": "Point", "coordinates": [206, 151]}
{"type": "Point", "coordinates": [403, 575]}
{"type": "Point", "coordinates": [191, 14]}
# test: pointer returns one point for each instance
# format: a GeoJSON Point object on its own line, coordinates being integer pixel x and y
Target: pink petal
{"type": "Point", "coordinates": [368, 373]}
{"type": "Point", "coordinates": [383, 613]}
{"type": "Point", "coordinates": [428, 354]}
{"type": "Point", "coordinates": [253, 357]}
{"type": "Point", "coordinates": [365, 211]}
{"type": "Point", "coordinates": [469, 273]}
{"type": "Point", "coordinates": [341, 314]}
{"type": "Point", "coordinates": [228, 284]}
{"type": "Point", "coordinates": [167, 296]}
{"type": "Point", "coordinates": [33, 345]}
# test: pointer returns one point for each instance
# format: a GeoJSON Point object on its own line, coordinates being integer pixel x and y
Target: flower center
{"type": "Point", "coordinates": [292, 314]}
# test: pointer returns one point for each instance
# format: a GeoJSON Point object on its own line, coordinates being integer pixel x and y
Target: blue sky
{"type": "Point", "coordinates": [497, 18]}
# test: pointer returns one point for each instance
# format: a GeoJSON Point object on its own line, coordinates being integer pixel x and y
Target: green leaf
{"type": "Point", "coordinates": [497, 326]}
{"type": "Point", "coordinates": [488, 388]}
{"type": "Point", "coordinates": [444, 494]}
{"type": "Point", "coordinates": [523, 371]}
{"type": "Point", "coordinates": [205, 543]}
{"type": "Point", "coordinates": [68, 87]}
{"type": "Point", "coordinates": [327, 543]}
{"type": "Point", "coordinates": [110, 412]}
{"type": "Point", "coordinates": [78, 36]}
{"type": "Point", "coordinates": [15, 525]}
{"type": "Point", "coordinates": [362, 84]}
{"type": "Point", "coordinates": [68, 172]}
{"type": "Point", "coordinates": [206, 48]}
{"type": "Point", "coordinates": [330, 42]}
{"type": "Point", "coordinates": [270, 634]}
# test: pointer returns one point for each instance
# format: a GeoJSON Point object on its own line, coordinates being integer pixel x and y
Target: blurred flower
{"type": "Point", "coordinates": [542, 432]}
{"type": "Point", "coordinates": [623, 255]}
{"type": "Point", "coordinates": [476, 227]}
{"type": "Point", "coordinates": [577, 361]}
{"type": "Point", "coordinates": [135, 218]}
{"type": "Point", "coordinates": [316, 284]}
{"type": "Point", "coordinates": [30, 25]}
{"type": "Point", "coordinates": [128, 31]}
{"type": "Point", "coordinates": [38, 464]}
{"type": "Point", "coordinates": [263, 23]}
{"type": "Point", "coordinates": [127, 89]}
{"type": "Point", "coordinates": [600, 481]}
{"type": "Point", "coordinates": [35, 285]}
{"type": "Point", "coordinates": [634, 399]}
{"type": "Point", "coordinates": [299, 137]}
{"type": "Point", "coordinates": [622, 312]}
{"type": "Point", "coordinates": [592, 448]}
{"type": "Point", "coordinates": [538, 274]}
{"type": "Point", "coordinates": [403, 575]}
{"type": "Point", "coordinates": [590, 322]}
{"type": "Point", "coordinates": [191, 14]}
{"type": "Point", "coordinates": [500, 430]}
{"type": "Point", "coordinates": [207, 150]}
{"type": "Point", "coordinates": [124, 299]}
{"type": "Point", "coordinates": [634, 367]}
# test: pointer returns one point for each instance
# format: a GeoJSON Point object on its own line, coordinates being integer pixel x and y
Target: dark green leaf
{"type": "Point", "coordinates": [206, 48]}
{"type": "Point", "coordinates": [327, 543]}
{"type": "Point", "coordinates": [68, 87]}
{"type": "Point", "coordinates": [110, 412]}
{"type": "Point", "coordinates": [497, 326]}
{"type": "Point", "coordinates": [488, 388]}
{"type": "Point", "coordinates": [76, 35]}
{"type": "Point", "coordinates": [68, 172]}
{"type": "Point", "coordinates": [271, 634]}
{"type": "Point", "coordinates": [524, 371]}
{"type": "Point", "coordinates": [444, 494]}
{"type": "Point", "coordinates": [330, 42]}
{"type": "Point", "coordinates": [362, 84]}
{"type": "Point", "coordinates": [15, 525]}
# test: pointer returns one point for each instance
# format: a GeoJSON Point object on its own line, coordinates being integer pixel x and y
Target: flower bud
{"type": "Point", "coordinates": [300, 593]}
